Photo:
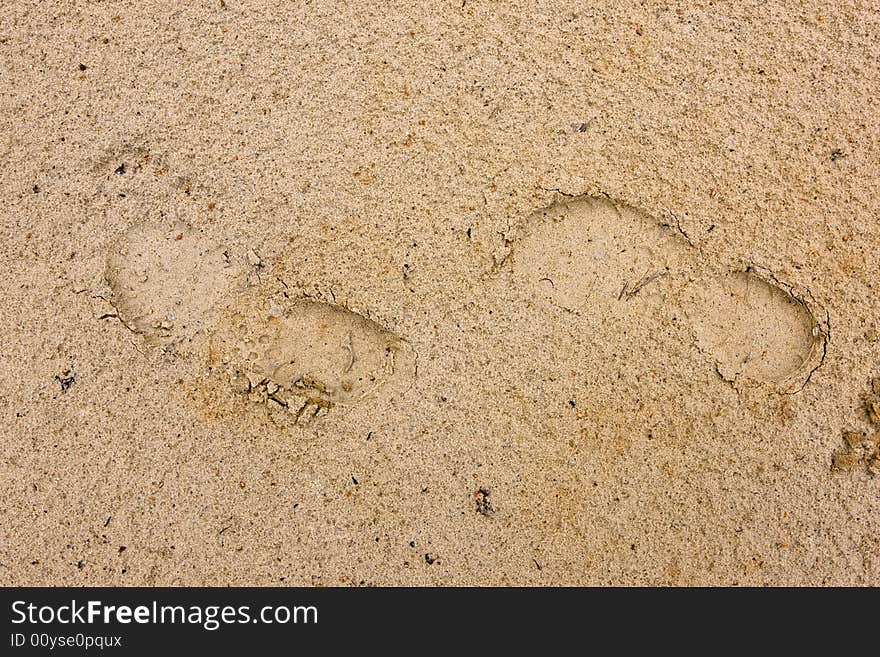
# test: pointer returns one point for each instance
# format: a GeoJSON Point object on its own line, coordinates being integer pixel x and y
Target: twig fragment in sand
{"type": "Point", "coordinates": [629, 293]}
{"type": "Point", "coordinates": [348, 346]}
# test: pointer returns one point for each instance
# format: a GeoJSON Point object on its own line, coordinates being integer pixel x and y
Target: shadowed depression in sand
{"type": "Point", "coordinates": [594, 258]}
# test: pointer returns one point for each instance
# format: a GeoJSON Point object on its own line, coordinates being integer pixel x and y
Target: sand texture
{"type": "Point", "coordinates": [463, 293]}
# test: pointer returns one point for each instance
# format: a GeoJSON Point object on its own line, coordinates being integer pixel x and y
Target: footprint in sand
{"type": "Point", "coordinates": [614, 264]}
{"type": "Point", "coordinates": [172, 284]}
{"type": "Point", "coordinates": [306, 356]}
{"type": "Point", "coordinates": [166, 282]}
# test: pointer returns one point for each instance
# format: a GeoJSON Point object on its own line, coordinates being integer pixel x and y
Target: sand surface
{"type": "Point", "coordinates": [462, 292]}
